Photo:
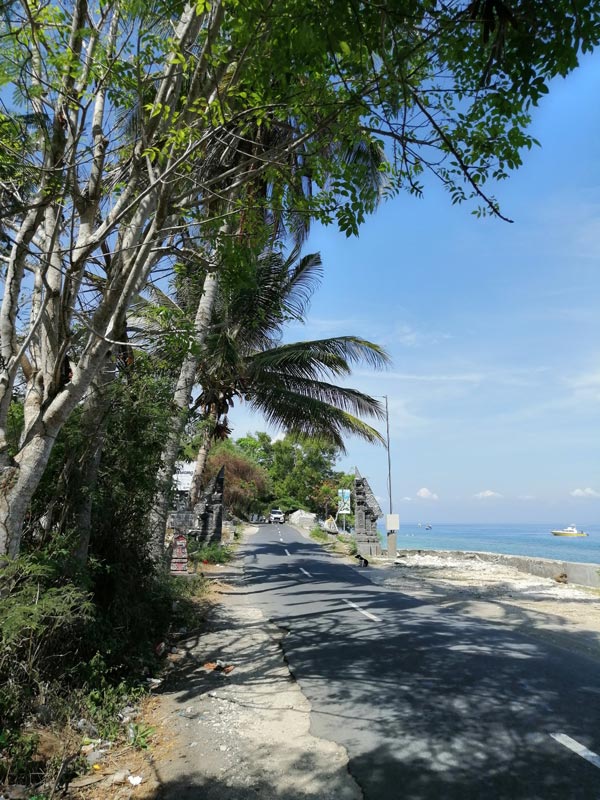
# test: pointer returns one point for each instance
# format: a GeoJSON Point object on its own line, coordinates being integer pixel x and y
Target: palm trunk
{"type": "Point", "coordinates": [181, 405]}
{"type": "Point", "coordinates": [203, 451]}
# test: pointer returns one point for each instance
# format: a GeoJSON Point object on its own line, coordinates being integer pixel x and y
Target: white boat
{"type": "Point", "coordinates": [571, 530]}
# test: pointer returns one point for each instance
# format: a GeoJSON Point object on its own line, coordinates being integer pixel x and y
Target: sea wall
{"type": "Point", "coordinates": [581, 574]}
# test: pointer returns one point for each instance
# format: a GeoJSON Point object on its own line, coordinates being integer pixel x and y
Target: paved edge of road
{"type": "Point", "coordinates": [243, 733]}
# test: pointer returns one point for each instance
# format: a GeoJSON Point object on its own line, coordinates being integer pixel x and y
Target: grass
{"type": "Point", "coordinates": [209, 553]}
{"type": "Point", "coordinates": [318, 535]}
{"type": "Point", "coordinates": [343, 543]}
{"type": "Point", "coordinates": [348, 543]}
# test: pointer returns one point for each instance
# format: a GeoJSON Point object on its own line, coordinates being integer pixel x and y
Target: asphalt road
{"type": "Point", "coordinates": [430, 704]}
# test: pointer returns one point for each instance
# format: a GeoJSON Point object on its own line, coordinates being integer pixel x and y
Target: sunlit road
{"type": "Point", "coordinates": [428, 703]}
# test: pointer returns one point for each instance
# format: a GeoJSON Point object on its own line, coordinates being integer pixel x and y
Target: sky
{"type": "Point", "coordinates": [493, 330]}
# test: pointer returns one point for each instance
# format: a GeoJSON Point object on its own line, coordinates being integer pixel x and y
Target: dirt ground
{"type": "Point", "coordinates": [230, 723]}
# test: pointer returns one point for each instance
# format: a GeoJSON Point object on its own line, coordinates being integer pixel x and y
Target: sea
{"type": "Point", "coordinates": [515, 539]}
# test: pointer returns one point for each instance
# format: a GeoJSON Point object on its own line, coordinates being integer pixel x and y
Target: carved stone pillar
{"type": "Point", "coordinates": [367, 512]}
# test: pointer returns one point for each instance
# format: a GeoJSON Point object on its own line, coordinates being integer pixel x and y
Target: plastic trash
{"type": "Point", "coordinates": [218, 666]}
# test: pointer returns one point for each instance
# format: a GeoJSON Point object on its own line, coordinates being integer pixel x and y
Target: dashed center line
{"type": "Point", "coordinates": [362, 611]}
{"type": "Point", "coordinates": [305, 572]}
{"type": "Point", "coordinates": [576, 747]}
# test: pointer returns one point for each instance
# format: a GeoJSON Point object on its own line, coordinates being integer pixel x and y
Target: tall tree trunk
{"type": "Point", "coordinates": [21, 476]}
{"type": "Point", "coordinates": [94, 422]}
{"type": "Point", "coordinates": [181, 404]}
{"type": "Point", "coordinates": [19, 482]}
{"type": "Point", "coordinates": [203, 451]}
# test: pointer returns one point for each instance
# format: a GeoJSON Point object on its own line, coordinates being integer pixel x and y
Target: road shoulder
{"type": "Point", "coordinates": [243, 732]}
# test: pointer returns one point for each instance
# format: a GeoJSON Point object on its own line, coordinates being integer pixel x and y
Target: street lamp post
{"type": "Point", "coordinates": [389, 458]}
{"type": "Point", "coordinates": [392, 520]}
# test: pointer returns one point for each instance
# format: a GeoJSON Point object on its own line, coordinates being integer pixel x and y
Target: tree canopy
{"type": "Point", "coordinates": [145, 135]}
{"type": "Point", "coordinates": [301, 470]}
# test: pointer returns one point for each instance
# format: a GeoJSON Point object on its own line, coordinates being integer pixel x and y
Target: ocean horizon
{"type": "Point", "coordinates": [518, 539]}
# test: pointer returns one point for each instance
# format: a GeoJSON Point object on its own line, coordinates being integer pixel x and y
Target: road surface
{"type": "Point", "coordinates": [429, 704]}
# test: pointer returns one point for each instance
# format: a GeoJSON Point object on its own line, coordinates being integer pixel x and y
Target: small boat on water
{"type": "Point", "coordinates": [427, 527]}
{"type": "Point", "coordinates": [571, 530]}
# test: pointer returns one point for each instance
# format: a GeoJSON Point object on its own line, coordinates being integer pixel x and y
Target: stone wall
{"type": "Point", "coordinates": [304, 519]}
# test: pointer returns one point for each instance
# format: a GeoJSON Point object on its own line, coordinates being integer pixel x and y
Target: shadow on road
{"type": "Point", "coordinates": [431, 703]}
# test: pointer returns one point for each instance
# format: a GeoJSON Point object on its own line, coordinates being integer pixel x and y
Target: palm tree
{"type": "Point", "coordinates": [291, 384]}
{"type": "Point", "coordinates": [276, 202]}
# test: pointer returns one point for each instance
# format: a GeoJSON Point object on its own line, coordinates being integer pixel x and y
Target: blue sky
{"type": "Point", "coordinates": [494, 332]}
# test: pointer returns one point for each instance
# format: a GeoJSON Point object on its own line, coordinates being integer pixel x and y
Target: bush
{"type": "Point", "coordinates": [79, 641]}
{"type": "Point", "coordinates": [43, 617]}
{"type": "Point", "coordinates": [17, 757]}
{"type": "Point", "coordinates": [63, 658]}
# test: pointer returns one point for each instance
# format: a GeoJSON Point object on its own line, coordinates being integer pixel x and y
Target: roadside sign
{"type": "Point", "coordinates": [344, 501]}
{"type": "Point", "coordinates": [392, 522]}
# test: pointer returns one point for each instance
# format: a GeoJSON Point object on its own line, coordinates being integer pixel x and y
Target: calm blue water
{"type": "Point", "coordinates": [518, 540]}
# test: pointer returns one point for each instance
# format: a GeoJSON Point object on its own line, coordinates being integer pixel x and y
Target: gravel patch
{"type": "Point", "coordinates": [567, 615]}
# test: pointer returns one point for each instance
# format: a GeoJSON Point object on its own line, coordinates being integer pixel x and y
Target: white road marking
{"type": "Point", "coordinates": [287, 552]}
{"type": "Point", "coordinates": [582, 751]}
{"type": "Point", "coordinates": [305, 572]}
{"type": "Point", "coordinates": [362, 611]}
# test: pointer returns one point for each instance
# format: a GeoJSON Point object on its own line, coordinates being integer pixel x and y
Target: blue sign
{"type": "Point", "coordinates": [344, 501]}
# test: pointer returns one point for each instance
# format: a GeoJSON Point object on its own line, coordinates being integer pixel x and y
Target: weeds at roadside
{"type": "Point", "coordinates": [319, 536]}
{"type": "Point", "coordinates": [208, 553]}
{"type": "Point", "coordinates": [348, 542]}
{"type": "Point", "coordinates": [139, 735]}
{"type": "Point", "coordinates": [343, 543]}
{"type": "Point", "coordinates": [69, 674]}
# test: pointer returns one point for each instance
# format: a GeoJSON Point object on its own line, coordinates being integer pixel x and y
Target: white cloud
{"type": "Point", "coordinates": [459, 377]}
{"type": "Point", "coordinates": [406, 336]}
{"type": "Point", "coordinates": [585, 493]}
{"type": "Point", "coordinates": [486, 494]}
{"type": "Point", "coordinates": [526, 497]}
{"type": "Point", "coordinates": [406, 499]}
{"type": "Point", "coordinates": [426, 494]}
{"type": "Point", "coordinates": [585, 387]}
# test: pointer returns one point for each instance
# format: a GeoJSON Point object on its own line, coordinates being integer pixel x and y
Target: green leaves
{"type": "Point", "coordinates": [151, 120]}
